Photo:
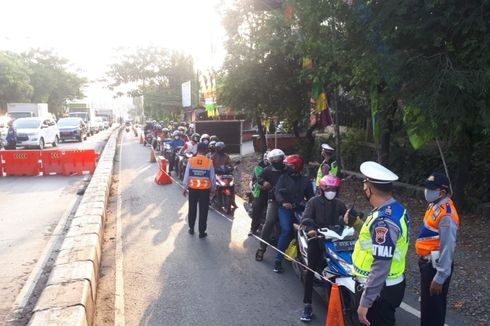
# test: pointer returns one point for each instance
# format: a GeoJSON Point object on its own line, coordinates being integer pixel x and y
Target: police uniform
{"type": "Point", "coordinates": [326, 168]}
{"type": "Point", "coordinates": [379, 253]}
{"type": "Point", "coordinates": [199, 179]}
{"type": "Point", "coordinates": [435, 247]}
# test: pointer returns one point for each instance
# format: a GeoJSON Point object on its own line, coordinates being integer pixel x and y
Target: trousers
{"type": "Point", "coordinates": [270, 221]}
{"type": "Point", "coordinates": [432, 307]}
{"type": "Point", "coordinates": [382, 312]}
{"type": "Point", "coordinates": [200, 196]}
{"type": "Point", "coordinates": [259, 205]}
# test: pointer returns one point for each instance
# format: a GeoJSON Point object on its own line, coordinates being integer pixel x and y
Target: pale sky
{"type": "Point", "coordinates": [87, 32]}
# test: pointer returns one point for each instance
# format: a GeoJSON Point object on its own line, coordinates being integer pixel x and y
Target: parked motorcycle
{"type": "Point", "coordinates": [225, 189]}
{"type": "Point", "coordinates": [337, 266]}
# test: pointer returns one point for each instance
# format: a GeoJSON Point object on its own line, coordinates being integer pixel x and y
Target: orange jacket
{"type": "Point", "coordinates": [428, 237]}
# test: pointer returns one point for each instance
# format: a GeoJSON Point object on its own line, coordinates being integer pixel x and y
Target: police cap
{"type": "Point", "coordinates": [327, 148]}
{"type": "Point", "coordinates": [376, 173]}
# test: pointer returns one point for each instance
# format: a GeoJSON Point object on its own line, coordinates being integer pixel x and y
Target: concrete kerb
{"type": "Point", "coordinates": [70, 294]}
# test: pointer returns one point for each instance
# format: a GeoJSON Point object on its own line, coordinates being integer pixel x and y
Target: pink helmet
{"type": "Point", "coordinates": [330, 181]}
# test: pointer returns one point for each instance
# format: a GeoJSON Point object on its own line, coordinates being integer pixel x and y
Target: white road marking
{"type": "Point", "coordinates": [54, 242]}
{"type": "Point", "coordinates": [119, 318]}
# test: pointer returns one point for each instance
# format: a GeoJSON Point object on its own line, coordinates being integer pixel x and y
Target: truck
{"type": "Point", "coordinates": [27, 110]}
{"type": "Point", "coordinates": [84, 111]}
{"type": "Point", "coordinates": [106, 114]}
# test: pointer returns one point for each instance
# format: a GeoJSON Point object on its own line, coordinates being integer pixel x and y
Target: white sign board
{"type": "Point", "coordinates": [186, 94]}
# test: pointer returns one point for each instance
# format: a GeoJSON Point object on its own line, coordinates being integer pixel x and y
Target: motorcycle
{"type": "Point", "coordinates": [182, 164]}
{"type": "Point", "coordinates": [225, 189]}
{"type": "Point", "coordinates": [336, 266]}
{"type": "Point", "coordinates": [148, 138]}
{"type": "Point", "coordinates": [167, 149]}
{"type": "Point", "coordinates": [173, 161]}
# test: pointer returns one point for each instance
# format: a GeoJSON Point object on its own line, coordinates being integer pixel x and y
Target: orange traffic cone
{"type": "Point", "coordinates": [142, 140]}
{"type": "Point", "coordinates": [162, 177]}
{"type": "Point", "coordinates": [334, 312]}
{"type": "Point", "coordinates": [152, 155]}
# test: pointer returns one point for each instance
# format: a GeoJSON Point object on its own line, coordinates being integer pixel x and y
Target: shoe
{"type": "Point", "coordinates": [307, 313]}
{"type": "Point", "coordinates": [203, 235]}
{"type": "Point", "coordinates": [278, 267]}
{"type": "Point", "coordinates": [191, 231]}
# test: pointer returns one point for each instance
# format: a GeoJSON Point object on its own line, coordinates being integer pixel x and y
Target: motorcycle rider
{"type": "Point", "coordinates": [379, 253]}
{"type": "Point", "coordinates": [211, 150]}
{"type": "Point", "coordinates": [326, 167]}
{"type": "Point", "coordinates": [214, 138]}
{"type": "Point", "coordinates": [205, 139]}
{"type": "Point", "coordinates": [259, 195]}
{"type": "Point", "coordinates": [268, 179]}
{"type": "Point", "coordinates": [191, 146]}
{"type": "Point", "coordinates": [221, 160]}
{"type": "Point", "coordinates": [175, 143]}
{"type": "Point", "coordinates": [291, 190]}
{"type": "Point", "coordinates": [323, 210]}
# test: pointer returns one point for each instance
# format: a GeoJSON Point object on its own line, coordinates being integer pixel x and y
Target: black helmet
{"type": "Point", "coordinates": [195, 137]}
{"type": "Point", "coordinates": [214, 138]}
{"type": "Point", "coordinates": [220, 145]}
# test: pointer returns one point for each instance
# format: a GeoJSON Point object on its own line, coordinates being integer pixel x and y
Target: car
{"type": "Point", "coordinates": [72, 129]}
{"type": "Point", "coordinates": [106, 122]}
{"type": "Point", "coordinates": [99, 123]}
{"type": "Point", "coordinates": [36, 132]}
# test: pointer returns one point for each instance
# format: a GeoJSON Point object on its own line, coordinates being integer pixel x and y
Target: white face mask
{"type": "Point", "coordinates": [329, 194]}
{"type": "Point", "coordinates": [431, 195]}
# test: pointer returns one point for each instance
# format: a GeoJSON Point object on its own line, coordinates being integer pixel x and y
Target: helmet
{"type": "Point", "coordinates": [266, 154]}
{"type": "Point", "coordinates": [158, 127]}
{"type": "Point", "coordinates": [204, 136]}
{"type": "Point", "coordinates": [195, 137]}
{"type": "Point", "coordinates": [214, 137]}
{"type": "Point", "coordinates": [165, 130]}
{"type": "Point", "coordinates": [296, 161]}
{"type": "Point", "coordinates": [193, 126]}
{"type": "Point", "coordinates": [220, 145]}
{"type": "Point", "coordinates": [330, 181]}
{"type": "Point", "coordinates": [212, 144]}
{"type": "Point", "coordinates": [176, 133]}
{"type": "Point", "coordinates": [276, 155]}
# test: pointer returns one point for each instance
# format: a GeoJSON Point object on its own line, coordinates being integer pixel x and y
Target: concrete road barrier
{"type": "Point", "coordinates": [70, 294]}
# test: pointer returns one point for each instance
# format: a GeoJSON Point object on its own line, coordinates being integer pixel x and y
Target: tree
{"type": "Point", "coordinates": [15, 80]}
{"type": "Point", "coordinates": [51, 80]}
{"type": "Point", "coordinates": [261, 74]}
{"type": "Point", "coordinates": [155, 73]}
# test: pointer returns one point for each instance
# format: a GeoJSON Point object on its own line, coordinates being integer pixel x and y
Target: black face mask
{"type": "Point", "coordinates": [278, 165]}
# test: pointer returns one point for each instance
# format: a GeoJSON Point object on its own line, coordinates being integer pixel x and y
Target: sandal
{"type": "Point", "coordinates": [259, 255]}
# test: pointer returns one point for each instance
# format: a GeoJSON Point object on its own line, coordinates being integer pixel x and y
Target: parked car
{"type": "Point", "coordinates": [36, 132]}
{"type": "Point", "coordinates": [72, 129]}
{"type": "Point", "coordinates": [99, 123]}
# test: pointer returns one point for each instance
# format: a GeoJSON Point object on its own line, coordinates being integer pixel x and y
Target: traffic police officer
{"type": "Point", "coordinates": [379, 253]}
{"type": "Point", "coordinates": [200, 182]}
{"type": "Point", "coordinates": [325, 167]}
{"type": "Point", "coordinates": [435, 246]}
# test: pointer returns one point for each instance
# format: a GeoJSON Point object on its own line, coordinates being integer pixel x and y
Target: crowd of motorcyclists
{"type": "Point", "coordinates": [327, 241]}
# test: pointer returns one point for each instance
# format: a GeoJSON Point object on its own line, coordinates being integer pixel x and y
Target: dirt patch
{"type": "Point", "coordinates": [470, 282]}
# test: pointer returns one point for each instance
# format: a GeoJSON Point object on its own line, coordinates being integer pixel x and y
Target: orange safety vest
{"type": "Point", "coordinates": [428, 237]}
{"type": "Point", "coordinates": [200, 172]}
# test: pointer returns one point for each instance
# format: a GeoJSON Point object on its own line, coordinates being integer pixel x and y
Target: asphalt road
{"type": "Point", "coordinates": [31, 208]}
{"type": "Point", "coordinates": [168, 277]}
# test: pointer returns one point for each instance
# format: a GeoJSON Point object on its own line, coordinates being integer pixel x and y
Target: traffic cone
{"type": "Point", "coordinates": [162, 177]}
{"type": "Point", "coordinates": [334, 312]}
{"type": "Point", "coordinates": [142, 140]}
{"type": "Point", "coordinates": [152, 155]}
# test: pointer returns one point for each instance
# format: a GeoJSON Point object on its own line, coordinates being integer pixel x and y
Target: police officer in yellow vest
{"type": "Point", "coordinates": [200, 182]}
{"type": "Point", "coordinates": [435, 246]}
{"type": "Point", "coordinates": [326, 167]}
{"type": "Point", "coordinates": [379, 253]}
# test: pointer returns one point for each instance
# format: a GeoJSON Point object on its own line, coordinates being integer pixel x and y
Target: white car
{"type": "Point", "coordinates": [36, 132]}
{"type": "Point", "coordinates": [99, 124]}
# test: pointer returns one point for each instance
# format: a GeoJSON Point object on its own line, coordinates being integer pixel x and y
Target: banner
{"type": "Point", "coordinates": [186, 94]}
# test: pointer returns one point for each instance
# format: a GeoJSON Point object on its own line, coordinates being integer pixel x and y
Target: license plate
{"type": "Point", "coordinates": [347, 245]}
{"type": "Point", "coordinates": [65, 133]}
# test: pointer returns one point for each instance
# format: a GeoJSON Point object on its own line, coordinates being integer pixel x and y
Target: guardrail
{"type": "Point", "coordinates": [47, 162]}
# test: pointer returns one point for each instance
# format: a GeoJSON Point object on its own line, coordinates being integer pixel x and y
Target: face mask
{"type": "Point", "coordinates": [431, 195]}
{"type": "Point", "coordinates": [329, 194]}
{"type": "Point", "coordinates": [278, 165]}
{"type": "Point", "coordinates": [205, 141]}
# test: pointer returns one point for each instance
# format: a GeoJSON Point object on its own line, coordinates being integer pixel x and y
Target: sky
{"type": "Point", "coordinates": [88, 32]}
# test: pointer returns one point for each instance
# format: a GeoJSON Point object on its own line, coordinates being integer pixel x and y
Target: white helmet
{"type": "Point", "coordinates": [276, 155]}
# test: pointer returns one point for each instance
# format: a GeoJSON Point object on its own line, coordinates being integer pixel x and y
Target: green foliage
{"type": "Point", "coordinates": [15, 83]}
{"type": "Point", "coordinates": [157, 74]}
{"type": "Point", "coordinates": [38, 76]}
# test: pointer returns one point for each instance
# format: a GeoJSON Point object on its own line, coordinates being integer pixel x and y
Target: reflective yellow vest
{"type": "Point", "coordinates": [332, 171]}
{"type": "Point", "coordinates": [362, 257]}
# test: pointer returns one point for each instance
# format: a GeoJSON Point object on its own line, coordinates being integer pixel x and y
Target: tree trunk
{"type": "Point", "coordinates": [464, 153]}
{"type": "Point", "coordinates": [385, 120]}
{"type": "Point", "coordinates": [260, 130]}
